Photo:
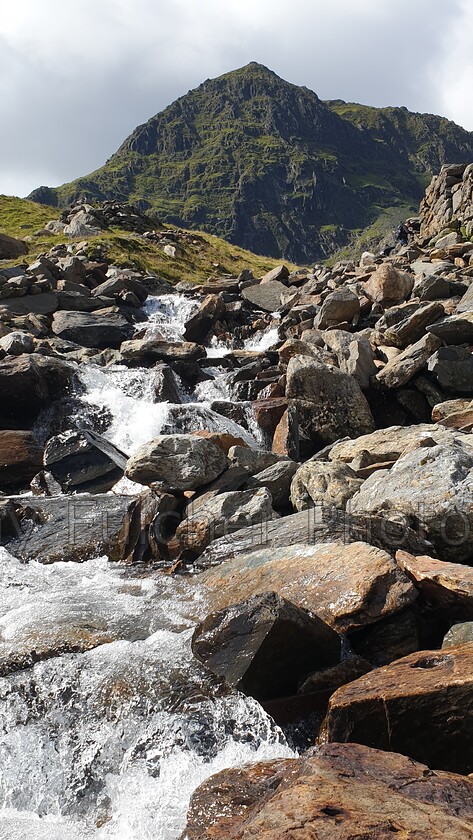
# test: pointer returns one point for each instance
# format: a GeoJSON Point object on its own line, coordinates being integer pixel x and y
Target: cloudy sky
{"type": "Point", "coordinates": [77, 77]}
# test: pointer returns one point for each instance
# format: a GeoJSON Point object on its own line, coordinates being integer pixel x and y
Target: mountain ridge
{"type": "Point", "coordinates": [271, 167]}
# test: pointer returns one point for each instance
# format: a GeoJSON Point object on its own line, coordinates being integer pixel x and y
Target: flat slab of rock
{"type": "Point", "coordinates": [389, 444]}
{"type": "Point", "coordinates": [90, 330]}
{"type": "Point", "coordinates": [177, 462]}
{"type": "Point", "coordinates": [418, 706]}
{"type": "Point", "coordinates": [266, 296]}
{"type": "Point", "coordinates": [264, 645]}
{"type": "Point", "coordinates": [158, 350]}
{"type": "Point", "coordinates": [347, 586]}
{"type": "Point", "coordinates": [337, 792]}
{"type": "Point", "coordinates": [442, 584]}
{"type": "Point", "coordinates": [457, 329]}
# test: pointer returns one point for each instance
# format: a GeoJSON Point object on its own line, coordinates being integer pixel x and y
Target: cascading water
{"type": "Point", "coordinates": [109, 743]}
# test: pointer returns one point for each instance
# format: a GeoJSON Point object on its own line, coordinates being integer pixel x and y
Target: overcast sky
{"type": "Point", "coordinates": [77, 77]}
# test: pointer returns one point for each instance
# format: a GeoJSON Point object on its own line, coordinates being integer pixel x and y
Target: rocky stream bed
{"type": "Point", "coordinates": [236, 550]}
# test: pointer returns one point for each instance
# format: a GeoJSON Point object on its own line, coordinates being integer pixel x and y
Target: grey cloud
{"type": "Point", "coordinates": [73, 93]}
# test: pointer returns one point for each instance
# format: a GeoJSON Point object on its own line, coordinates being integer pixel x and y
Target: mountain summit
{"type": "Point", "coordinates": [269, 166]}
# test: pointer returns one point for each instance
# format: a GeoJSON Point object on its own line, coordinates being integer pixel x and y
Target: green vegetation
{"type": "Point", "coordinates": [269, 166]}
{"type": "Point", "coordinates": [200, 255]}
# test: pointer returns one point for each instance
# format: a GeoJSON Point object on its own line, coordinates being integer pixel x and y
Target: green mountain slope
{"type": "Point", "coordinates": [268, 166]}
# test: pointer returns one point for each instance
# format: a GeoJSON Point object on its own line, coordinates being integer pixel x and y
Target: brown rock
{"type": "Point", "coordinates": [20, 459]}
{"type": "Point", "coordinates": [411, 329]}
{"type": "Point", "coordinates": [223, 440]}
{"type": "Point", "coordinates": [401, 369]}
{"type": "Point", "coordinates": [11, 248]}
{"type": "Point", "coordinates": [442, 584]}
{"type": "Point", "coordinates": [347, 586]}
{"type": "Point", "coordinates": [338, 792]}
{"type": "Point", "coordinates": [269, 412]}
{"type": "Point", "coordinates": [286, 435]}
{"type": "Point", "coordinates": [210, 310]}
{"type": "Point", "coordinates": [418, 705]}
{"type": "Point", "coordinates": [281, 272]}
{"type": "Point", "coordinates": [389, 286]}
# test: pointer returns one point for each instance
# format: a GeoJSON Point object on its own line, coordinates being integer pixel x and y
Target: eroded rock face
{"type": "Point", "coordinates": [177, 462]}
{"type": "Point", "coordinates": [336, 792]}
{"type": "Point", "coordinates": [322, 483]}
{"type": "Point", "coordinates": [347, 586]}
{"type": "Point", "coordinates": [415, 706]}
{"type": "Point", "coordinates": [264, 645]}
{"type": "Point", "coordinates": [431, 489]}
{"type": "Point", "coordinates": [329, 403]}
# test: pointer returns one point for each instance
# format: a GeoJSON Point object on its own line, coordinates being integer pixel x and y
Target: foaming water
{"type": "Point", "coordinates": [263, 340]}
{"type": "Point", "coordinates": [167, 315]}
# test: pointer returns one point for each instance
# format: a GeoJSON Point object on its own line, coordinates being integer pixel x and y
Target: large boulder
{"type": "Point", "coordinates": [428, 489]}
{"type": "Point", "coordinates": [145, 351]}
{"type": "Point", "coordinates": [417, 706]}
{"type": "Point", "coordinates": [11, 248]}
{"type": "Point", "coordinates": [266, 296]}
{"type": "Point", "coordinates": [388, 286]}
{"type": "Point", "coordinates": [456, 329]}
{"type": "Point", "coordinates": [412, 328]}
{"type": "Point", "coordinates": [28, 383]}
{"type": "Point", "coordinates": [80, 461]}
{"type": "Point", "coordinates": [453, 369]}
{"type": "Point", "coordinates": [210, 310]}
{"type": "Point", "coordinates": [323, 483]}
{"type": "Point", "coordinates": [389, 444]}
{"type": "Point", "coordinates": [90, 329]}
{"type": "Point", "coordinates": [277, 479]}
{"type": "Point", "coordinates": [264, 645]}
{"type": "Point", "coordinates": [330, 404]}
{"type": "Point", "coordinates": [177, 462]}
{"type": "Point", "coordinates": [354, 355]}
{"type": "Point", "coordinates": [413, 359]}
{"type": "Point", "coordinates": [223, 514]}
{"type": "Point", "coordinates": [340, 306]}
{"type": "Point", "coordinates": [335, 792]}
{"type": "Point", "coordinates": [346, 585]}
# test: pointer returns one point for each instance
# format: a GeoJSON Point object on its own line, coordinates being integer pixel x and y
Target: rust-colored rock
{"type": "Point", "coordinates": [286, 435]}
{"type": "Point", "coordinates": [268, 412]}
{"type": "Point", "coordinates": [419, 706]}
{"type": "Point", "coordinates": [389, 286]}
{"type": "Point", "coordinates": [20, 459]}
{"type": "Point", "coordinates": [337, 792]}
{"type": "Point", "coordinates": [347, 586]}
{"type": "Point", "coordinates": [223, 440]}
{"type": "Point", "coordinates": [442, 584]}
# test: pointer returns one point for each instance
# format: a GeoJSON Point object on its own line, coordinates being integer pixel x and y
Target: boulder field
{"type": "Point", "coordinates": [312, 479]}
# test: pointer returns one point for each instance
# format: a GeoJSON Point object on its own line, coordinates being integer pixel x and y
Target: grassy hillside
{"type": "Point", "coordinates": [198, 257]}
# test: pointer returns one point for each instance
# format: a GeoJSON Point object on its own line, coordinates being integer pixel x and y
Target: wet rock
{"type": "Point", "coordinates": [329, 403]}
{"type": "Point", "coordinates": [415, 706]}
{"type": "Point", "coordinates": [427, 489]}
{"type": "Point", "coordinates": [332, 678]}
{"type": "Point", "coordinates": [91, 330]}
{"type": "Point", "coordinates": [412, 360]}
{"type": "Point", "coordinates": [20, 459]}
{"type": "Point", "coordinates": [347, 586]}
{"type": "Point", "coordinates": [223, 514]}
{"type": "Point", "coordinates": [69, 528]}
{"type": "Point", "coordinates": [277, 479]}
{"type": "Point", "coordinates": [453, 369]}
{"type": "Point", "coordinates": [177, 462]}
{"type": "Point", "coordinates": [268, 412]}
{"type": "Point", "coordinates": [459, 634]}
{"type": "Point", "coordinates": [266, 296]}
{"type": "Point", "coordinates": [338, 792]}
{"type": "Point", "coordinates": [441, 584]}
{"type": "Point", "coordinates": [146, 351]}
{"type": "Point", "coordinates": [165, 385]}
{"type": "Point", "coordinates": [389, 639]}
{"type": "Point", "coordinates": [319, 483]}
{"type": "Point", "coordinates": [388, 286]}
{"type": "Point", "coordinates": [77, 464]}
{"type": "Point", "coordinates": [28, 383]}
{"type": "Point", "coordinates": [210, 310]}
{"type": "Point", "coordinates": [340, 306]}
{"type": "Point", "coordinates": [264, 645]}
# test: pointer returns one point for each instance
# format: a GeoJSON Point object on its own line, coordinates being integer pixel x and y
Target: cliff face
{"type": "Point", "coordinates": [267, 165]}
{"type": "Point", "coordinates": [448, 202]}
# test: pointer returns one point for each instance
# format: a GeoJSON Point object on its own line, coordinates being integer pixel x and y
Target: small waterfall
{"type": "Point", "coordinates": [166, 315]}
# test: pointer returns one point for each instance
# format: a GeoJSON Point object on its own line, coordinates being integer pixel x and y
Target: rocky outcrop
{"type": "Point", "coordinates": [448, 202]}
{"type": "Point", "coordinates": [337, 792]}
{"type": "Point", "coordinates": [414, 706]}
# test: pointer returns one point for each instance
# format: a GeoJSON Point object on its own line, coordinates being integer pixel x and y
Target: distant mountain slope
{"type": "Point", "coordinates": [269, 166]}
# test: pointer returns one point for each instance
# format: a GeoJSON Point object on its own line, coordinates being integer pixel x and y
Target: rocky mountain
{"type": "Point", "coordinates": [269, 166]}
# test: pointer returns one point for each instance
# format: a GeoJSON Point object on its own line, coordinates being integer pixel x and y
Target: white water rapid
{"type": "Point", "coordinates": [109, 744]}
